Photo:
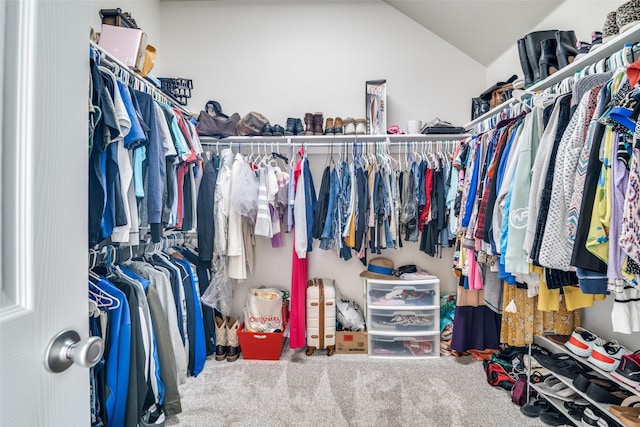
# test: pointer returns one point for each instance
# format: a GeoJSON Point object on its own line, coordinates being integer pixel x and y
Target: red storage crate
{"type": "Point", "coordinates": [260, 345]}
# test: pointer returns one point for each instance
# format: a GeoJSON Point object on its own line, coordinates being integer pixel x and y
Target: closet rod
{"type": "Point", "coordinates": [146, 83]}
{"type": "Point", "coordinates": [332, 141]}
{"type": "Point", "coordinates": [605, 51]}
{"type": "Point", "coordinates": [109, 253]}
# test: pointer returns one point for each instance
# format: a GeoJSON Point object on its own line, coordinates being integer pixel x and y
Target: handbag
{"type": "Point", "coordinates": [213, 122]}
{"type": "Point", "coordinates": [492, 97]}
{"type": "Point", "coordinates": [251, 124]}
{"type": "Point", "coordinates": [501, 95]}
{"type": "Point", "coordinates": [479, 106]}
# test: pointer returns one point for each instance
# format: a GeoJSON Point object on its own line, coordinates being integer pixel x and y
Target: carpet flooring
{"type": "Point", "coordinates": [345, 390]}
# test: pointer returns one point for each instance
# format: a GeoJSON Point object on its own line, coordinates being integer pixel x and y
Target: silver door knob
{"type": "Point", "coordinates": [67, 348]}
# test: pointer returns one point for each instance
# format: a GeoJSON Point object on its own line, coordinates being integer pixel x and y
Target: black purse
{"type": "Point", "coordinates": [482, 104]}
{"type": "Point", "coordinates": [479, 106]}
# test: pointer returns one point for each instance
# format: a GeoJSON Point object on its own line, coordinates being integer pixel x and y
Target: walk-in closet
{"type": "Point", "coordinates": [289, 212]}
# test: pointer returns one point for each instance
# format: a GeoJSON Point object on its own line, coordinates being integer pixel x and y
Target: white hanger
{"type": "Point", "coordinates": [103, 298]}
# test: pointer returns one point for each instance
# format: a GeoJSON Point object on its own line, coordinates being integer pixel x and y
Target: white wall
{"type": "Point", "coordinates": [286, 59]}
{"type": "Point", "coordinates": [582, 16]}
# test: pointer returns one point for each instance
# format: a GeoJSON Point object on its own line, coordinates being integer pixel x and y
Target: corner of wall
{"type": "Point", "coordinates": [581, 16]}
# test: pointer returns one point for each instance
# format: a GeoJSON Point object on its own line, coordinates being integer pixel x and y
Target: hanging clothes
{"type": "Point", "coordinates": [304, 211]}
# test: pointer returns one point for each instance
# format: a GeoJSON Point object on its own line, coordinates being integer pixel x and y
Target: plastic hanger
{"type": "Point", "coordinates": [102, 298]}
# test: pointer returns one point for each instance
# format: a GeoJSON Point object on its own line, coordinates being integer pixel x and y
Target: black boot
{"type": "Point", "coordinates": [299, 128]}
{"type": "Point", "coordinates": [566, 51]}
{"type": "Point", "coordinates": [291, 127]}
{"type": "Point", "coordinates": [548, 62]}
{"type": "Point", "coordinates": [532, 42]}
{"type": "Point", "coordinates": [524, 62]}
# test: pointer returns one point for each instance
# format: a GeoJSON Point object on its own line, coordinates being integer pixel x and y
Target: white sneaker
{"type": "Point", "coordinates": [582, 342]}
{"type": "Point", "coordinates": [607, 356]}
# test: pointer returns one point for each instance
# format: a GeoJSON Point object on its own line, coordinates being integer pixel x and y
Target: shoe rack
{"type": "Point", "coordinates": [603, 52]}
{"type": "Point", "coordinates": [554, 347]}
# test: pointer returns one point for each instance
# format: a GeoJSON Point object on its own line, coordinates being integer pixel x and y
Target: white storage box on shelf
{"type": "Point", "coordinates": [403, 317]}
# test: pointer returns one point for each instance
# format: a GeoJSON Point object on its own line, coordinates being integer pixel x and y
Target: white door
{"type": "Point", "coordinates": [44, 58]}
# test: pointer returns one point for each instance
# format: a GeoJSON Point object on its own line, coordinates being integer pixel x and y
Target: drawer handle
{"type": "Point", "coordinates": [260, 337]}
{"type": "Point", "coordinates": [405, 288]}
{"type": "Point", "coordinates": [404, 339]}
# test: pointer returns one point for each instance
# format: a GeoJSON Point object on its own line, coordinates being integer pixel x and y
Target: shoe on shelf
{"type": "Point", "coordinates": [566, 47]}
{"type": "Point", "coordinates": [548, 63]}
{"type": "Point", "coordinates": [607, 356]}
{"type": "Point", "coordinates": [278, 130]}
{"type": "Point", "coordinates": [308, 121]}
{"type": "Point", "coordinates": [575, 410]}
{"type": "Point", "coordinates": [328, 126]}
{"type": "Point", "coordinates": [628, 15]}
{"type": "Point", "coordinates": [317, 124]}
{"type": "Point", "coordinates": [527, 71]}
{"type": "Point", "coordinates": [582, 342]}
{"type": "Point", "coordinates": [629, 369]}
{"type": "Point", "coordinates": [532, 45]}
{"type": "Point", "coordinates": [337, 126]}
{"type": "Point", "coordinates": [596, 40]}
{"type": "Point", "coordinates": [267, 130]}
{"type": "Point", "coordinates": [583, 48]}
{"type": "Point", "coordinates": [291, 127]}
{"type": "Point", "coordinates": [361, 127]}
{"type": "Point", "coordinates": [349, 126]}
{"type": "Point", "coordinates": [561, 364]}
{"type": "Point", "coordinates": [583, 381]}
{"type": "Point", "coordinates": [553, 417]}
{"type": "Point", "coordinates": [594, 417]}
{"type": "Point", "coordinates": [298, 127]}
{"type": "Point", "coordinates": [557, 389]}
{"type": "Point", "coordinates": [610, 28]}
{"type": "Point", "coordinates": [535, 408]}
{"type": "Point", "coordinates": [630, 420]}
{"type": "Point", "coordinates": [612, 395]}
{"type": "Point", "coordinates": [630, 405]}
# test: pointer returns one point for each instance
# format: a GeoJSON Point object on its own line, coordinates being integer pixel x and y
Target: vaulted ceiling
{"type": "Point", "coordinates": [483, 29]}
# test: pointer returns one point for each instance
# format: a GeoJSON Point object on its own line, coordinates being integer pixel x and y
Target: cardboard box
{"type": "Point", "coordinates": [348, 342]}
{"type": "Point", "coordinates": [260, 345]}
{"type": "Point", "coordinates": [126, 44]}
{"type": "Point", "coordinates": [376, 107]}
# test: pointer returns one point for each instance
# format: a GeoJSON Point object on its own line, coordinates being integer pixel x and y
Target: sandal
{"type": "Point", "coordinates": [629, 405]}
{"type": "Point", "coordinates": [535, 408]}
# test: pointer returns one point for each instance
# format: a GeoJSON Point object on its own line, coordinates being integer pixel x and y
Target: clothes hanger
{"type": "Point", "coordinates": [102, 297]}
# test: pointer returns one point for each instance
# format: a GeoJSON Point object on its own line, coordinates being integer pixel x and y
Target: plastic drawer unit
{"type": "Point", "coordinates": [412, 321]}
{"type": "Point", "coordinates": [404, 346]}
{"type": "Point", "coordinates": [403, 317]}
